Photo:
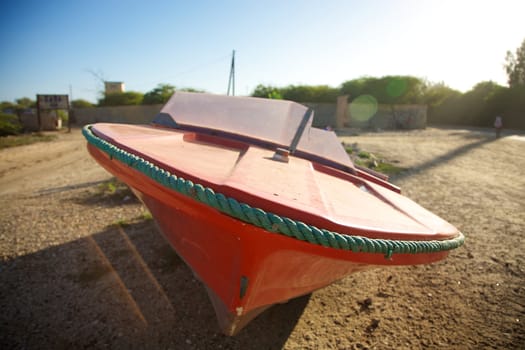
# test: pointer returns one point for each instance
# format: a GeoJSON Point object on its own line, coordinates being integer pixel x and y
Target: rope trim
{"type": "Point", "coordinates": [269, 221]}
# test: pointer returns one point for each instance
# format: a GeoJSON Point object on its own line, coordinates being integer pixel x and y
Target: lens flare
{"type": "Point", "coordinates": [396, 87]}
{"type": "Point", "coordinates": [363, 107]}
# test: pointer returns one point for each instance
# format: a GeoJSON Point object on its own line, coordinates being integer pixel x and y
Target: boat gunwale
{"type": "Point", "coordinates": [269, 221]}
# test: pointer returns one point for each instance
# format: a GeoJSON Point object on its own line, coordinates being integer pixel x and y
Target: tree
{"type": "Point", "coordinates": [298, 93]}
{"type": "Point", "coordinates": [392, 89]}
{"type": "Point", "coordinates": [80, 103]}
{"type": "Point", "coordinates": [191, 90]}
{"type": "Point", "coordinates": [473, 104]}
{"type": "Point", "coordinates": [275, 95]}
{"type": "Point", "coordinates": [508, 103]}
{"type": "Point", "coordinates": [121, 99]}
{"type": "Point", "coordinates": [18, 107]}
{"type": "Point", "coordinates": [160, 94]}
{"type": "Point", "coordinates": [7, 107]}
{"type": "Point", "coordinates": [25, 102]}
{"type": "Point", "coordinates": [310, 93]}
{"type": "Point", "coordinates": [9, 124]}
{"type": "Point", "coordinates": [476, 107]}
{"type": "Point", "coordinates": [437, 93]}
{"type": "Point", "coordinates": [354, 87]}
{"type": "Point", "coordinates": [267, 92]}
{"type": "Point", "coordinates": [515, 66]}
{"type": "Point", "coordinates": [443, 103]}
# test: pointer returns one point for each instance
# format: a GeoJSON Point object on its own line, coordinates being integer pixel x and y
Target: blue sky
{"type": "Point", "coordinates": [48, 46]}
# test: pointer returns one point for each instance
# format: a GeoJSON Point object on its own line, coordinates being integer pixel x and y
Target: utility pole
{"type": "Point", "coordinates": [70, 110]}
{"type": "Point", "coordinates": [231, 81]}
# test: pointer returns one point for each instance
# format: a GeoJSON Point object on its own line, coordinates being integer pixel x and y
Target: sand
{"type": "Point", "coordinates": [83, 268]}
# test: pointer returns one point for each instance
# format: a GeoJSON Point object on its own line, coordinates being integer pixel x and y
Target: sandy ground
{"type": "Point", "coordinates": [72, 278]}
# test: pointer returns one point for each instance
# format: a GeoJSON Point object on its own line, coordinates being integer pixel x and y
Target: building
{"type": "Point", "coordinates": [113, 87]}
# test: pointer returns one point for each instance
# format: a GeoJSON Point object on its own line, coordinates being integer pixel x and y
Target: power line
{"type": "Point", "coordinates": [231, 81]}
{"type": "Point", "coordinates": [194, 68]}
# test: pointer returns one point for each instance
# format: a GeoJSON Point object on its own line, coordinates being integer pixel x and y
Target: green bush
{"type": "Point", "coordinates": [80, 103]}
{"type": "Point", "coordinates": [161, 94]}
{"type": "Point", "coordinates": [392, 89]}
{"type": "Point", "coordinates": [121, 99]}
{"type": "Point", "coordinates": [481, 105]}
{"type": "Point", "coordinates": [298, 93]}
{"type": "Point", "coordinates": [24, 139]}
{"type": "Point", "coordinates": [9, 125]}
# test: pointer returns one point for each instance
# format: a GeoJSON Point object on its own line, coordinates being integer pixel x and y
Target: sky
{"type": "Point", "coordinates": [63, 47]}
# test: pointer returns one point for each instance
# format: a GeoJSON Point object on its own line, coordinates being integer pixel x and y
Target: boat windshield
{"type": "Point", "coordinates": [271, 123]}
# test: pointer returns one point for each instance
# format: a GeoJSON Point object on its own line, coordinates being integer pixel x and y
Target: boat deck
{"type": "Point", "coordinates": [300, 189]}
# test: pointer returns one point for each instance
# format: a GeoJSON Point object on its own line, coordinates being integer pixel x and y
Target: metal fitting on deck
{"type": "Point", "coordinates": [281, 155]}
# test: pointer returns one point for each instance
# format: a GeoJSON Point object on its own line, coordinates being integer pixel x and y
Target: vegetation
{"type": "Point", "coordinates": [80, 103]}
{"type": "Point", "coordinates": [387, 90]}
{"type": "Point", "coordinates": [121, 99]}
{"type": "Point", "coordinates": [9, 124]}
{"type": "Point", "coordinates": [515, 66]}
{"type": "Point", "coordinates": [146, 216]}
{"type": "Point", "coordinates": [18, 106]}
{"type": "Point", "coordinates": [161, 94]}
{"type": "Point", "coordinates": [115, 188]}
{"type": "Point", "coordinates": [299, 93]}
{"type": "Point", "coordinates": [477, 107]}
{"type": "Point", "coordinates": [25, 102]}
{"type": "Point", "coordinates": [388, 168]}
{"type": "Point", "coordinates": [372, 161]}
{"type": "Point", "coordinates": [121, 223]}
{"type": "Point", "coordinates": [24, 139]}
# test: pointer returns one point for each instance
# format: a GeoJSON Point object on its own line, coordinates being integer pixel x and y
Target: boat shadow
{"type": "Point", "coordinates": [478, 141]}
{"type": "Point", "coordinates": [123, 287]}
{"type": "Point", "coordinates": [106, 193]}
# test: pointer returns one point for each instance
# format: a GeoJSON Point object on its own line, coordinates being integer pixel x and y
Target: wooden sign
{"type": "Point", "coordinates": [52, 101]}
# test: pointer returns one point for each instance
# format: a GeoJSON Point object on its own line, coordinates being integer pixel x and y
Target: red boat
{"type": "Point", "coordinates": [262, 206]}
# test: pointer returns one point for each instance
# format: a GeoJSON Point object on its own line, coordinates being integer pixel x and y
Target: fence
{"type": "Point", "coordinates": [324, 114]}
{"type": "Point", "coordinates": [117, 114]}
{"type": "Point", "coordinates": [392, 117]}
{"type": "Point", "coordinates": [367, 114]}
{"type": "Point", "coordinates": [332, 115]}
{"type": "Point", "coordinates": [49, 120]}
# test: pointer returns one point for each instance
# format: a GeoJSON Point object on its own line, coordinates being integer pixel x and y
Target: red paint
{"type": "Point", "coordinates": [221, 250]}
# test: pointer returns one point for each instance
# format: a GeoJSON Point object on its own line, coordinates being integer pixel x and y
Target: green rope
{"type": "Point", "coordinates": [269, 221]}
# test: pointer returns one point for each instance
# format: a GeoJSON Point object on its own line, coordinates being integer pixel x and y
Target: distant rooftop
{"type": "Point", "coordinates": [112, 87]}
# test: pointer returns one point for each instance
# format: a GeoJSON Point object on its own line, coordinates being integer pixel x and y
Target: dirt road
{"type": "Point", "coordinates": [82, 267]}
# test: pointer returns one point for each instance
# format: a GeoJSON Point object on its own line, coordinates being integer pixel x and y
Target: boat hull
{"type": "Point", "coordinates": [245, 269]}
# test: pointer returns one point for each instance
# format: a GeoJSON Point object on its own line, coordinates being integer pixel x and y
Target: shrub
{"type": "Point", "coordinates": [121, 99]}
{"type": "Point", "coordinates": [9, 125]}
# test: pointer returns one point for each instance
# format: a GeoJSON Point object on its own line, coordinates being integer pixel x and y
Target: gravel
{"type": "Point", "coordinates": [82, 267]}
